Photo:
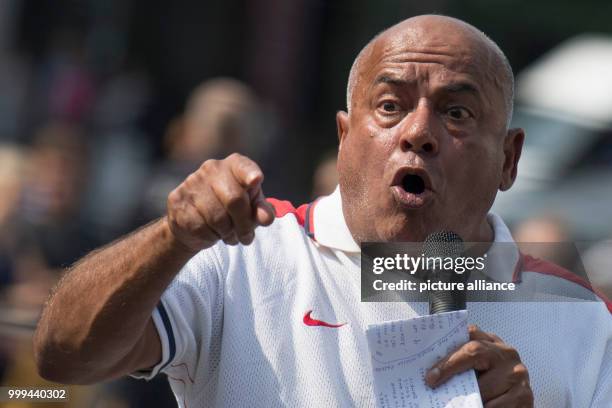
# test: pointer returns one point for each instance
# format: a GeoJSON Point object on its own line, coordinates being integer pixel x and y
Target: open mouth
{"type": "Point", "coordinates": [412, 187]}
{"type": "Point", "coordinates": [413, 184]}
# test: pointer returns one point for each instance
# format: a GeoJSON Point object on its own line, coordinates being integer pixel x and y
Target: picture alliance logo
{"type": "Point", "coordinates": [411, 264]}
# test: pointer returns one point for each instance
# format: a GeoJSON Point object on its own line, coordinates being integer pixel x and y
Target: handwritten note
{"type": "Point", "coordinates": [402, 351]}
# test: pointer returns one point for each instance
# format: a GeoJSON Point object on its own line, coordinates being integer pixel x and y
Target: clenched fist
{"type": "Point", "coordinates": [222, 200]}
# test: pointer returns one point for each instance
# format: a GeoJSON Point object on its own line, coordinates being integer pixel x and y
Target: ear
{"type": "Point", "coordinates": [342, 125]}
{"type": "Point", "coordinates": [513, 145]}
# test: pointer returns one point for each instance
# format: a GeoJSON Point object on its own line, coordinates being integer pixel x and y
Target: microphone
{"type": "Point", "coordinates": [445, 244]}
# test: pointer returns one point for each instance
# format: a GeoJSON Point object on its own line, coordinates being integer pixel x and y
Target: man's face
{"type": "Point", "coordinates": [425, 146]}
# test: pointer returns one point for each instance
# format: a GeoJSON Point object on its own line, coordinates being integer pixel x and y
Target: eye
{"type": "Point", "coordinates": [458, 113]}
{"type": "Point", "coordinates": [390, 107]}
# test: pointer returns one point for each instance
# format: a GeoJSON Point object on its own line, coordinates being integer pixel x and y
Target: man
{"type": "Point", "coordinates": [277, 320]}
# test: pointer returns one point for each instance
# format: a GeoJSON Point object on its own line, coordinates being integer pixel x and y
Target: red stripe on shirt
{"type": "Point", "coordinates": [528, 263]}
{"type": "Point", "coordinates": [284, 207]}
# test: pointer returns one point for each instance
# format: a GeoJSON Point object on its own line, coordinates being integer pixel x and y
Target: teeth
{"type": "Point", "coordinates": [413, 184]}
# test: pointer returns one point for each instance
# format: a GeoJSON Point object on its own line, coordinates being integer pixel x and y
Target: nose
{"type": "Point", "coordinates": [417, 133]}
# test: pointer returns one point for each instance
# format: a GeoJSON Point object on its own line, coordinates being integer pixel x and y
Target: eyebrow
{"type": "Point", "coordinates": [456, 87]}
{"type": "Point", "coordinates": [383, 79]}
{"type": "Point", "coordinates": [460, 87]}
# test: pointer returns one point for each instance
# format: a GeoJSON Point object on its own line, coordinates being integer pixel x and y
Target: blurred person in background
{"type": "Point", "coordinates": [11, 180]}
{"type": "Point", "coordinates": [11, 174]}
{"type": "Point", "coordinates": [222, 115]}
{"type": "Point", "coordinates": [215, 122]}
{"type": "Point", "coordinates": [54, 187]}
{"type": "Point", "coordinates": [325, 178]}
{"type": "Point", "coordinates": [547, 237]}
{"type": "Point", "coordinates": [47, 230]}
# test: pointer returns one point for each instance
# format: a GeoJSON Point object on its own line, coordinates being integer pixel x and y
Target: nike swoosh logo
{"type": "Point", "coordinates": [309, 321]}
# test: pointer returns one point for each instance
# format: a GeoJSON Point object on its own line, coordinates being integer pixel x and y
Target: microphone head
{"type": "Point", "coordinates": [445, 244]}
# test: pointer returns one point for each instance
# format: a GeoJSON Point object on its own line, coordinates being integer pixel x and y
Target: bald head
{"type": "Point", "coordinates": [441, 29]}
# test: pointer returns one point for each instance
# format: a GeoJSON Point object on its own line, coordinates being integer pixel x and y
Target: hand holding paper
{"type": "Point", "coordinates": [502, 378]}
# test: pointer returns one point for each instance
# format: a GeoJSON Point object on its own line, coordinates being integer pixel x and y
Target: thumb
{"type": "Point", "coordinates": [264, 211]}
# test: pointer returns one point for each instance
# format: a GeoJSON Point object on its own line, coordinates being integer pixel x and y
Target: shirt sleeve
{"type": "Point", "coordinates": [188, 319]}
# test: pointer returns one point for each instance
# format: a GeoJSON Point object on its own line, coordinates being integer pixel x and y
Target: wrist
{"type": "Point", "coordinates": [173, 243]}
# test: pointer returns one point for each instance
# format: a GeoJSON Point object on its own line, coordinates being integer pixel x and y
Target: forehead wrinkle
{"type": "Point", "coordinates": [457, 59]}
{"type": "Point", "coordinates": [395, 71]}
{"type": "Point", "coordinates": [457, 64]}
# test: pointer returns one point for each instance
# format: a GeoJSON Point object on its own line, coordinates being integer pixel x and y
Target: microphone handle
{"type": "Point", "coordinates": [446, 301]}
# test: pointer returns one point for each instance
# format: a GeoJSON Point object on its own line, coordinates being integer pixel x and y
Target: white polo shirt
{"type": "Point", "coordinates": [281, 323]}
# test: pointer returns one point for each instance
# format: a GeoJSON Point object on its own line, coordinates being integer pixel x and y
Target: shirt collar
{"type": "Point", "coordinates": [503, 256]}
{"type": "Point", "coordinates": [330, 230]}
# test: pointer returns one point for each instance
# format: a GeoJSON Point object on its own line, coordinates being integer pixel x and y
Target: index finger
{"type": "Point", "coordinates": [246, 172]}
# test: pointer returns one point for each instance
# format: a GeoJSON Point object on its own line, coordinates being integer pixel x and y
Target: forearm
{"type": "Point", "coordinates": [99, 310]}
